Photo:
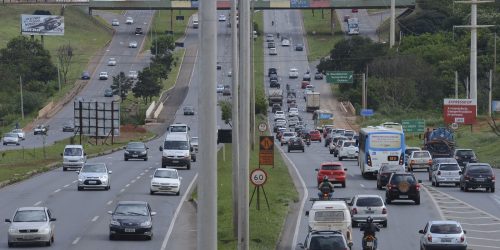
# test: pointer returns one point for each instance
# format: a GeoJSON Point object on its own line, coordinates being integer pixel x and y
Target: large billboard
{"type": "Point", "coordinates": [461, 111]}
{"type": "Point", "coordinates": [42, 25]}
{"type": "Point", "coordinates": [99, 119]}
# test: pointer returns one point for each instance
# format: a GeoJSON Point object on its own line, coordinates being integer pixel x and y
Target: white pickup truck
{"type": "Point", "coordinates": [348, 150]}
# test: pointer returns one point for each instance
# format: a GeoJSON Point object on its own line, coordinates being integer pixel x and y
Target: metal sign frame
{"type": "Point", "coordinates": [98, 119]}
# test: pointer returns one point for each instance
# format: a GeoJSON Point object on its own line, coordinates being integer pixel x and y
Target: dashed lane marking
{"type": "Point", "coordinates": [122, 190]}
{"type": "Point", "coordinates": [76, 241]}
{"type": "Point", "coordinates": [132, 181]}
{"type": "Point", "coordinates": [109, 202]}
{"type": "Point", "coordinates": [67, 185]}
{"type": "Point", "coordinates": [141, 174]}
{"type": "Point", "coordinates": [74, 181]}
{"type": "Point", "coordinates": [95, 218]}
{"type": "Point", "coordinates": [127, 185]}
{"type": "Point", "coordinates": [57, 190]}
{"type": "Point", "coordinates": [37, 203]}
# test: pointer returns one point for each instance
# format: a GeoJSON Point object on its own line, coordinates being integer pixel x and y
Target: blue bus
{"type": "Point", "coordinates": [380, 146]}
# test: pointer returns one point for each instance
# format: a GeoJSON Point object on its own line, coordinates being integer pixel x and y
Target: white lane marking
{"type": "Point", "coordinates": [176, 213]}
{"type": "Point", "coordinates": [74, 181]}
{"type": "Point", "coordinates": [480, 224]}
{"type": "Point", "coordinates": [147, 170]}
{"type": "Point", "coordinates": [109, 202]}
{"type": "Point", "coordinates": [362, 185]}
{"type": "Point", "coordinates": [67, 185]}
{"type": "Point", "coordinates": [434, 202]}
{"type": "Point", "coordinates": [76, 240]}
{"type": "Point", "coordinates": [133, 181]}
{"type": "Point", "coordinates": [476, 238]}
{"type": "Point", "coordinates": [95, 218]}
{"type": "Point", "coordinates": [151, 176]}
{"type": "Point", "coordinates": [460, 212]}
{"type": "Point", "coordinates": [57, 190]}
{"type": "Point", "coordinates": [138, 177]}
{"type": "Point", "coordinates": [483, 246]}
{"type": "Point", "coordinates": [37, 203]}
{"type": "Point", "coordinates": [122, 190]}
{"type": "Point", "coordinates": [127, 185]}
{"type": "Point", "coordinates": [141, 174]}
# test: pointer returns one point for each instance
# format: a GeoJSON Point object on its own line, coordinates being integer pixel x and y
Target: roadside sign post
{"type": "Point", "coordinates": [339, 76]}
{"type": "Point", "coordinates": [258, 177]}
{"type": "Point", "coordinates": [413, 126]}
{"type": "Point", "coordinates": [367, 112]}
{"type": "Point", "coordinates": [266, 150]}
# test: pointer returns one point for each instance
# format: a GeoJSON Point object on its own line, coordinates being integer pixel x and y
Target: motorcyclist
{"type": "Point", "coordinates": [307, 137]}
{"type": "Point", "coordinates": [369, 229]}
{"type": "Point", "coordinates": [325, 187]}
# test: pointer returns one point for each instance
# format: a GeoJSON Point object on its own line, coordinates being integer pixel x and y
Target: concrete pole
{"type": "Point", "coordinates": [392, 36]}
{"type": "Point", "coordinates": [235, 114]}
{"type": "Point", "coordinates": [252, 81]}
{"type": "Point", "coordinates": [243, 226]}
{"type": "Point", "coordinates": [456, 84]}
{"type": "Point", "coordinates": [489, 93]}
{"type": "Point", "coordinates": [22, 101]}
{"type": "Point", "coordinates": [467, 86]}
{"type": "Point", "coordinates": [207, 185]}
{"type": "Point", "coordinates": [473, 52]}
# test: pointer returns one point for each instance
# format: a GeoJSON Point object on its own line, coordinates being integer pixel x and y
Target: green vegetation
{"type": "Point", "coordinates": [258, 70]}
{"type": "Point", "coordinates": [319, 33]}
{"type": "Point", "coordinates": [161, 23]}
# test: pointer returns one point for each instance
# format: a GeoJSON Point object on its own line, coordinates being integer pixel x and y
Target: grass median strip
{"type": "Point", "coordinates": [162, 22]}
{"type": "Point", "coordinates": [320, 40]}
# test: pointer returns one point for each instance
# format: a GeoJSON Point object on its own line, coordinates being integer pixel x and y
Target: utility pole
{"type": "Point", "coordinates": [235, 114]}
{"type": "Point", "coordinates": [243, 202]}
{"type": "Point", "coordinates": [363, 94]}
{"type": "Point", "coordinates": [473, 43]}
{"type": "Point", "coordinates": [207, 184]}
{"type": "Point", "coordinates": [392, 36]}
{"type": "Point", "coordinates": [22, 104]}
{"type": "Point", "coordinates": [489, 93]}
{"type": "Point", "coordinates": [456, 84]}
{"type": "Point", "coordinates": [252, 81]}
{"type": "Point", "coordinates": [59, 77]}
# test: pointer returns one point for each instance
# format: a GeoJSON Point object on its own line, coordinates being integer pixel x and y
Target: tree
{"type": "Point", "coordinates": [65, 55]}
{"type": "Point", "coordinates": [147, 86]}
{"type": "Point", "coordinates": [161, 65]}
{"type": "Point", "coordinates": [163, 44]}
{"type": "Point", "coordinates": [121, 85]}
{"type": "Point", "coordinates": [225, 107]}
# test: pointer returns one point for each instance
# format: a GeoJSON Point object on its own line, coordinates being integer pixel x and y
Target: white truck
{"type": "Point", "coordinates": [331, 215]}
{"type": "Point", "coordinates": [195, 21]}
{"type": "Point", "coordinates": [312, 101]}
{"type": "Point", "coordinates": [353, 26]}
{"type": "Point", "coordinates": [275, 96]}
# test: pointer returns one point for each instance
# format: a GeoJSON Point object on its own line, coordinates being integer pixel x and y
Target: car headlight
{"type": "Point", "coordinates": [146, 224]}
{"type": "Point", "coordinates": [12, 230]}
{"type": "Point", "coordinates": [104, 177]}
{"type": "Point", "coordinates": [81, 179]}
{"type": "Point", "coordinates": [45, 230]}
{"type": "Point", "coordinates": [114, 222]}
{"type": "Point", "coordinates": [144, 152]}
{"type": "Point", "coordinates": [126, 152]}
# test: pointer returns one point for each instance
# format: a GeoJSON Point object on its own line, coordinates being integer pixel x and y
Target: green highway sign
{"type": "Point", "coordinates": [339, 76]}
{"type": "Point", "coordinates": [413, 126]}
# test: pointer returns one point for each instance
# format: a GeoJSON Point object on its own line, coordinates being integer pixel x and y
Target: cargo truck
{"type": "Point", "coordinates": [312, 101]}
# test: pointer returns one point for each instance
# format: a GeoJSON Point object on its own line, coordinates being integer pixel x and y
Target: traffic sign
{"type": "Point", "coordinates": [454, 126]}
{"type": "Point", "coordinates": [413, 126]}
{"type": "Point", "coordinates": [262, 127]}
{"type": "Point", "coordinates": [339, 76]}
{"type": "Point", "coordinates": [461, 111]}
{"type": "Point", "coordinates": [258, 177]}
{"type": "Point", "coordinates": [367, 112]}
{"type": "Point", "coordinates": [266, 150]}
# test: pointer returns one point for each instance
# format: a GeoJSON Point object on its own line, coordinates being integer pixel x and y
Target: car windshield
{"type": "Point", "coordinates": [390, 168]}
{"type": "Point", "coordinates": [479, 169]}
{"type": "Point", "coordinates": [331, 167]}
{"type": "Point", "coordinates": [288, 134]}
{"type": "Point", "coordinates": [465, 153]}
{"type": "Point", "coordinates": [409, 151]}
{"type": "Point", "coordinates": [10, 135]}
{"type": "Point", "coordinates": [369, 202]}
{"type": "Point", "coordinates": [348, 144]}
{"type": "Point", "coordinates": [330, 215]}
{"type": "Point", "coordinates": [93, 168]}
{"type": "Point", "coordinates": [326, 242]}
{"type": "Point", "coordinates": [166, 174]}
{"type": "Point", "coordinates": [132, 209]}
{"type": "Point", "coordinates": [179, 145]}
{"type": "Point", "coordinates": [136, 145]}
{"type": "Point", "coordinates": [17, 131]}
{"type": "Point", "coordinates": [178, 129]}
{"type": "Point", "coordinates": [402, 178]}
{"type": "Point", "coordinates": [445, 229]}
{"type": "Point", "coordinates": [421, 155]}
{"type": "Point", "coordinates": [449, 167]}
{"type": "Point", "coordinates": [194, 140]}
{"type": "Point", "coordinates": [30, 216]}
{"type": "Point", "coordinates": [72, 151]}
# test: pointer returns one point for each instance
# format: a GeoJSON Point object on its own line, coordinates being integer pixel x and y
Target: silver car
{"type": "Point", "coordinates": [448, 173]}
{"type": "Point", "coordinates": [443, 235]}
{"type": "Point", "coordinates": [364, 205]}
{"type": "Point", "coordinates": [10, 138]}
{"type": "Point", "coordinates": [94, 175]}
{"type": "Point", "coordinates": [31, 225]}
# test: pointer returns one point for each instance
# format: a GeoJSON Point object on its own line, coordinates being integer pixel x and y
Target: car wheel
{"type": "Point", "coordinates": [178, 193]}
{"type": "Point", "coordinates": [188, 166]}
{"type": "Point", "coordinates": [303, 150]}
{"type": "Point", "coordinates": [111, 237]}
{"type": "Point", "coordinates": [437, 184]}
{"type": "Point", "coordinates": [340, 158]}
{"type": "Point", "coordinates": [10, 244]}
{"type": "Point", "coordinates": [126, 159]}
{"type": "Point", "coordinates": [379, 187]}
{"type": "Point", "coordinates": [80, 188]}
{"type": "Point", "coordinates": [48, 243]}
{"type": "Point", "coordinates": [335, 154]}
{"type": "Point", "coordinates": [461, 187]}
{"type": "Point", "coordinates": [146, 159]}
{"type": "Point", "coordinates": [64, 169]}
{"type": "Point", "coordinates": [430, 178]}
{"type": "Point", "coordinates": [194, 159]}
{"type": "Point", "coordinates": [151, 192]}
{"type": "Point", "coordinates": [343, 184]}
{"type": "Point", "coordinates": [107, 188]}
{"type": "Point", "coordinates": [387, 200]}
{"type": "Point", "coordinates": [432, 183]}
{"type": "Point", "coordinates": [331, 152]}
{"type": "Point", "coordinates": [492, 189]}
{"type": "Point", "coordinates": [354, 224]}
{"type": "Point", "coordinates": [466, 189]}
{"type": "Point", "coordinates": [417, 201]}
{"type": "Point", "coordinates": [457, 184]}
{"type": "Point", "coordinates": [149, 237]}
{"type": "Point", "coordinates": [288, 150]}
{"type": "Point", "coordinates": [384, 224]}
{"type": "Point", "coordinates": [281, 144]}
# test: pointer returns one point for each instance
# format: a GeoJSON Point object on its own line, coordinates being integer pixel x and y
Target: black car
{"type": "Point", "coordinates": [276, 107]}
{"type": "Point", "coordinates": [437, 161]}
{"type": "Point", "coordinates": [384, 174]}
{"type": "Point", "coordinates": [131, 218]}
{"type": "Point", "coordinates": [40, 129]}
{"type": "Point", "coordinates": [274, 84]}
{"type": "Point", "coordinates": [136, 150]}
{"type": "Point", "coordinates": [85, 75]}
{"type": "Point", "coordinates": [227, 90]}
{"type": "Point", "coordinates": [271, 45]}
{"type": "Point", "coordinates": [272, 71]}
{"type": "Point", "coordinates": [138, 31]}
{"type": "Point", "coordinates": [295, 144]}
{"type": "Point", "coordinates": [402, 186]}
{"type": "Point", "coordinates": [188, 110]}
{"type": "Point", "coordinates": [68, 127]}
{"type": "Point", "coordinates": [464, 156]}
{"type": "Point", "coordinates": [299, 47]}
{"type": "Point", "coordinates": [219, 67]}
{"type": "Point", "coordinates": [477, 175]}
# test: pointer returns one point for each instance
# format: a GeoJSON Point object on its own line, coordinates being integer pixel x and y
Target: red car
{"type": "Point", "coordinates": [304, 84]}
{"type": "Point", "coordinates": [315, 135]}
{"type": "Point", "coordinates": [335, 172]}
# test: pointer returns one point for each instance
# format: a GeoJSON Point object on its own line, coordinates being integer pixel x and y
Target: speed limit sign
{"type": "Point", "coordinates": [258, 177]}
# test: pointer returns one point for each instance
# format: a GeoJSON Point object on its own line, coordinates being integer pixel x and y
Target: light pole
{"type": "Point", "coordinates": [21, 90]}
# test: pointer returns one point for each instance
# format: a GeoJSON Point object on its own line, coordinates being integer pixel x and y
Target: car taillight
{"type": "Point", "coordinates": [439, 173]}
{"type": "Point", "coordinates": [401, 159]}
{"type": "Point", "coordinates": [456, 157]}
{"type": "Point", "coordinates": [412, 162]}
{"type": "Point", "coordinates": [389, 186]}
{"type": "Point", "coordinates": [354, 211]}
{"type": "Point", "coordinates": [430, 162]}
{"type": "Point", "coordinates": [384, 210]}
{"type": "Point", "coordinates": [493, 178]}
{"type": "Point", "coordinates": [368, 160]}
{"type": "Point", "coordinates": [418, 187]}
{"type": "Point", "coordinates": [429, 238]}
{"type": "Point", "coordinates": [462, 238]}
{"type": "Point", "coordinates": [467, 177]}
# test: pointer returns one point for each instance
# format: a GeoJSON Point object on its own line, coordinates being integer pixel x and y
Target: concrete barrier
{"type": "Point", "coordinates": [150, 109]}
{"type": "Point", "coordinates": [158, 111]}
{"type": "Point", "coordinates": [43, 113]}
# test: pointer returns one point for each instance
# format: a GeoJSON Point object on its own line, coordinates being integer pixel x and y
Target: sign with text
{"type": "Point", "coordinates": [495, 106]}
{"type": "Point", "coordinates": [266, 150]}
{"type": "Point", "coordinates": [461, 111]}
{"type": "Point", "coordinates": [367, 112]}
{"type": "Point", "coordinates": [42, 25]}
{"type": "Point", "coordinates": [413, 126]}
{"type": "Point", "coordinates": [258, 177]}
{"type": "Point", "coordinates": [339, 76]}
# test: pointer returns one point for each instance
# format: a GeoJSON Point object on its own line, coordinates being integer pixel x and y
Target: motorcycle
{"type": "Point", "coordinates": [308, 142]}
{"type": "Point", "coordinates": [325, 194]}
{"type": "Point", "coordinates": [369, 242]}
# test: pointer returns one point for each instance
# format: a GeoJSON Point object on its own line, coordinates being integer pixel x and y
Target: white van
{"type": "Point", "coordinates": [331, 215]}
{"type": "Point", "coordinates": [177, 150]}
{"type": "Point", "coordinates": [74, 156]}
{"type": "Point", "coordinates": [195, 21]}
{"type": "Point", "coordinates": [178, 128]}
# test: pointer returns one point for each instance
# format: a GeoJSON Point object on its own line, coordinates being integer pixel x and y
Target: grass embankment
{"type": "Point", "coordinates": [162, 22]}
{"type": "Point", "coordinates": [320, 40]}
{"type": "Point", "coordinates": [265, 225]}
{"type": "Point", "coordinates": [20, 164]}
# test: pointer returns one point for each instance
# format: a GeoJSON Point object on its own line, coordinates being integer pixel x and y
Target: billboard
{"type": "Point", "coordinates": [97, 118]}
{"type": "Point", "coordinates": [461, 111]}
{"type": "Point", "coordinates": [42, 25]}
{"type": "Point", "coordinates": [495, 106]}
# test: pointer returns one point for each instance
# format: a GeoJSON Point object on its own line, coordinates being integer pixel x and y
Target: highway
{"type": "Point", "coordinates": [127, 59]}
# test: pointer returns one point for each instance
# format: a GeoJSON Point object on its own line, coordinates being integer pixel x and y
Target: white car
{"type": "Point", "coordinates": [229, 73]}
{"type": "Point", "coordinates": [222, 18]}
{"type": "Point", "coordinates": [115, 22]}
{"type": "Point", "coordinates": [364, 205]}
{"type": "Point", "coordinates": [293, 112]}
{"type": "Point", "coordinates": [220, 88]}
{"type": "Point", "coordinates": [273, 52]}
{"type": "Point", "coordinates": [287, 136]}
{"type": "Point", "coordinates": [348, 150]}
{"type": "Point", "coordinates": [103, 75]}
{"type": "Point", "coordinates": [31, 225]}
{"type": "Point", "coordinates": [293, 73]}
{"type": "Point", "coordinates": [132, 44]}
{"type": "Point", "coordinates": [10, 138]}
{"type": "Point", "coordinates": [269, 38]}
{"type": "Point", "coordinates": [112, 61]}
{"type": "Point", "coordinates": [20, 133]}
{"type": "Point", "coordinates": [166, 180]}
{"type": "Point", "coordinates": [94, 175]}
{"type": "Point", "coordinates": [132, 74]}
{"type": "Point", "coordinates": [129, 20]}
{"type": "Point", "coordinates": [437, 234]}
{"type": "Point", "coordinates": [446, 173]}
{"type": "Point", "coordinates": [279, 115]}
{"type": "Point", "coordinates": [285, 43]}
{"type": "Point", "coordinates": [420, 159]}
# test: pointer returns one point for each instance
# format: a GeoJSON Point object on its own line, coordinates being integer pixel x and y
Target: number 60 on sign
{"type": "Point", "coordinates": [258, 177]}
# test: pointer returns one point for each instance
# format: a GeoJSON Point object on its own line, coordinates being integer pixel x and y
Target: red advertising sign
{"type": "Point", "coordinates": [461, 111]}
